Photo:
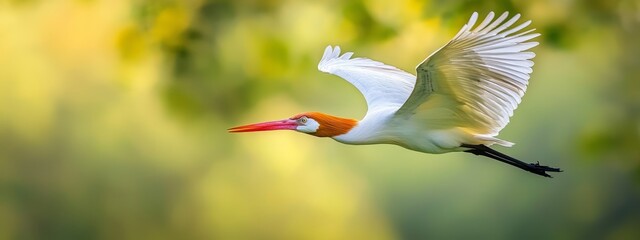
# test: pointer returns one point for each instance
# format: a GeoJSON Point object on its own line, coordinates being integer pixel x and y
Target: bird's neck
{"type": "Point", "coordinates": [375, 127]}
{"type": "Point", "coordinates": [331, 126]}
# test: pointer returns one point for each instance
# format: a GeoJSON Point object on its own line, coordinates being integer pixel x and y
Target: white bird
{"type": "Point", "coordinates": [462, 96]}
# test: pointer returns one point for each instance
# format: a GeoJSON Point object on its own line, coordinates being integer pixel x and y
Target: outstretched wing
{"type": "Point", "coordinates": [382, 85]}
{"type": "Point", "coordinates": [476, 80]}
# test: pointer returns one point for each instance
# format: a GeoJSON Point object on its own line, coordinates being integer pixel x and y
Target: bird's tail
{"type": "Point", "coordinates": [530, 167]}
{"type": "Point", "coordinates": [493, 140]}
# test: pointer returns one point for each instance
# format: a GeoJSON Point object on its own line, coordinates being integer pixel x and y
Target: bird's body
{"type": "Point", "coordinates": [462, 96]}
{"type": "Point", "coordinates": [383, 127]}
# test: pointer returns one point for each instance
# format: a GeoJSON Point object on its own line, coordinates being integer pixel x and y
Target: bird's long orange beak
{"type": "Point", "coordinates": [286, 124]}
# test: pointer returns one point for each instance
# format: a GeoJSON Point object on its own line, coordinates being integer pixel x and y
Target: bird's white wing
{"type": "Point", "coordinates": [476, 80]}
{"type": "Point", "coordinates": [382, 85]}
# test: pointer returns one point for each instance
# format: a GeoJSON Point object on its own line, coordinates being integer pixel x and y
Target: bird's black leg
{"type": "Point", "coordinates": [530, 167]}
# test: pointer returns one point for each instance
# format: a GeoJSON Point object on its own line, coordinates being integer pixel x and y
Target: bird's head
{"type": "Point", "coordinates": [314, 123]}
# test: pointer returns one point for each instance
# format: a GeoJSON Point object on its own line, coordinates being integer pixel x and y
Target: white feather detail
{"type": "Point", "coordinates": [481, 74]}
{"type": "Point", "coordinates": [382, 85]}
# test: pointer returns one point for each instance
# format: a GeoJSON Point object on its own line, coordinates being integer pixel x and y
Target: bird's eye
{"type": "Point", "coordinates": [302, 120]}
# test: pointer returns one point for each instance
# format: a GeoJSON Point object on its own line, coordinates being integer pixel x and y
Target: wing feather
{"type": "Point", "coordinates": [382, 85]}
{"type": "Point", "coordinates": [481, 75]}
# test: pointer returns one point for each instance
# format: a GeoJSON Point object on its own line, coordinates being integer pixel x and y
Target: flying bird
{"type": "Point", "coordinates": [461, 97]}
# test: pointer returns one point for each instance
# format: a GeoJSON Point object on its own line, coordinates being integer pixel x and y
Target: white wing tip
{"type": "Point", "coordinates": [331, 54]}
{"type": "Point", "coordinates": [472, 19]}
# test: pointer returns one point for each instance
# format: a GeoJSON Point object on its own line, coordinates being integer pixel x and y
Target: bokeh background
{"type": "Point", "coordinates": [113, 118]}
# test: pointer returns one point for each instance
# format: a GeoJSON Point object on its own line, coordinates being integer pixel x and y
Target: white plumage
{"type": "Point", "coordinates": [464, 93]}
{"type": "Point", "coordinates": [382, 85]}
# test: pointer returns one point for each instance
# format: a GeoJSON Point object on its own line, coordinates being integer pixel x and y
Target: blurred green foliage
{"type": "Point", "coordinates": [113, 118]}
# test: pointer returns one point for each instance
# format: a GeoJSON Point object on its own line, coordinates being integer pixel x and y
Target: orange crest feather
{"type": "Point", "coordinates": [330, 125]}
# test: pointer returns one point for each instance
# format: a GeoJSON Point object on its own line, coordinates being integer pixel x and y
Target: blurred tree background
{"type": "Point", "coordinates": [113, 118]}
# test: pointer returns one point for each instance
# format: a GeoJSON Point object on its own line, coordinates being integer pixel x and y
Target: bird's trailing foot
{"type": "Point", "coordinates": [530, 167]}
{"type": "Point", "coordinates": [541, 169]}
